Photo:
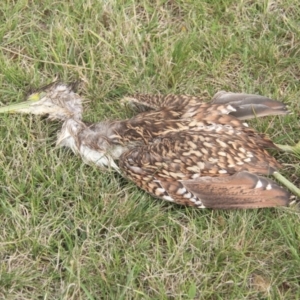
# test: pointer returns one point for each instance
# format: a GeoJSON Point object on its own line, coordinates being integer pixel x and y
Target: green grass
{"type": "Point", "coordinates": [70, 231]}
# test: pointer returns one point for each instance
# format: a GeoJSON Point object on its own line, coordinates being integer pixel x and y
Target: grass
{"type": "Point", "coordinates": [70, 231]}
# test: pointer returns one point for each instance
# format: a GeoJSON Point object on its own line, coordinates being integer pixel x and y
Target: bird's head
{"type": "Point", "coordinates": [56, 100]}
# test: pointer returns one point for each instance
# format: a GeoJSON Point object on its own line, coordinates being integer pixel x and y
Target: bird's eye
{"type": "Point", "coordinates": [36, 96]}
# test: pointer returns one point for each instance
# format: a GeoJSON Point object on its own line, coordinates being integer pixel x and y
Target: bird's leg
{"type": "Point", "coordinates": [289, 185]}
{"type": "Point", "coordinates": [287, 148]}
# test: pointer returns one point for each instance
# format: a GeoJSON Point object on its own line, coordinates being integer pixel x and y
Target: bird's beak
{"type": "Point", "coordinates": [23, 107]}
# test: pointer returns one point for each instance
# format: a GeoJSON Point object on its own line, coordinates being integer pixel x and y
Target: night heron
{"type": "Point", "coordinates": [180, 150]}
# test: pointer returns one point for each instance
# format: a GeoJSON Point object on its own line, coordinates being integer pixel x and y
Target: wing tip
{"type": "Point", "coordinates": [242, 190]}
{"type": "Point", "coordinates": [250, 106]}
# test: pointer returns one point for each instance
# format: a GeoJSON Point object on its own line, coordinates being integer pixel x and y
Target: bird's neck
{"type": "Point", "coordinates": [98, 144]}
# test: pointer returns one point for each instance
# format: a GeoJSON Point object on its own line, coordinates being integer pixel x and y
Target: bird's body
{"type": "Point", "coordinates": [182, 150]}
{"type": "Point", "coordinates": [204, 130]}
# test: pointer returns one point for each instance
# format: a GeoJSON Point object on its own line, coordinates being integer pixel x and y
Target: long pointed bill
{"type": "Point", "coordinates": [22, 107]}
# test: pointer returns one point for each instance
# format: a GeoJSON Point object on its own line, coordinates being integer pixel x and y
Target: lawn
{"type": "Point", "coordinates": [71, 231]}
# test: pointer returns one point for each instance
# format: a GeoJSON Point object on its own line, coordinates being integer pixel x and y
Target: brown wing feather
{"type": "Point", "coordinates": [247, 106]}
{"type": "Point", "coordinates": [177, 102]}
{"type": "Point", "coordinates": [250, 106]}
{"type": "Point", "coordinates": [203, 117]}
{"type": "Point", "coordinates": [166, 167]}
{"type": "Point", "coordinates": [242, 190]}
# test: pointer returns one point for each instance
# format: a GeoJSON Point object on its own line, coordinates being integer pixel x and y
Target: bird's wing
{"type": "Point", "coordinates": [249, 106]}
{"type": "Point", "coordinates": [205, 117]}
{"type": "Point", "coordinates": [178, 168]}
{"type": "Point", "coordinates": [149, 101]}
{"type": "Point", "coordinates": [246, 106]}
{"type": "Point", "coordinates": [241, 190]}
